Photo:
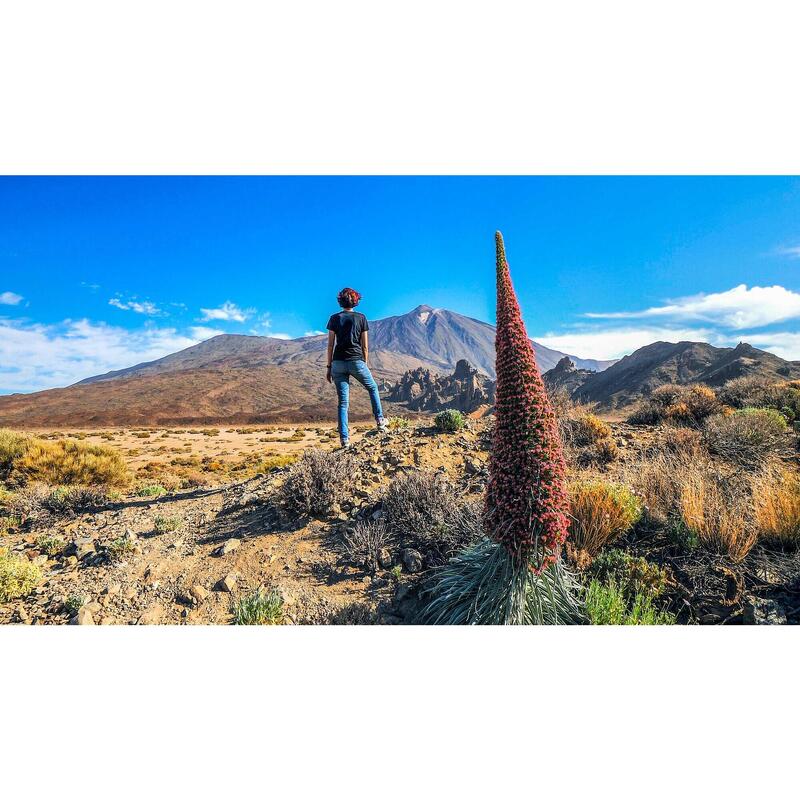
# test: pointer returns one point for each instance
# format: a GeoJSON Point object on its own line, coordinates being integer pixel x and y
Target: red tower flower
{"type": "Point", "coordinates": [526, 498]}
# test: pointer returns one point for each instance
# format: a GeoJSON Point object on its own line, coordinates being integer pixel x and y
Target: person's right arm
{"type": "Point", "coordinates": [329, 360]}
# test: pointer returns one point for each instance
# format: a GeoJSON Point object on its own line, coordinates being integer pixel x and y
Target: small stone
{"type": "Point", "coordinates": [112, 589]}
{"type": "Point", "coordinates": [71, 561]}
{"type": "Point", "coordinates": [412, 560]}
{"type": "Point", "coordinates": [228, 583]}
{"type": "Point", "coordinates": [83, 617]}
{"type": "Point", "coordinates": [385, 558]}
{"type": "Point", "coordinates": [152, 616]}
{"type": "Point", "coordinates": [198, 593]}
{"type": "Point", "coordinates": [23, 615]}
{"type": "Point", "coordinates": [93, 607]}
{"type": "Point", "coordinates": [107, 621]}
{"type": "Point", "coordinates": [84, 547]}
{"type": "Point", "coordinates": [228, 547]}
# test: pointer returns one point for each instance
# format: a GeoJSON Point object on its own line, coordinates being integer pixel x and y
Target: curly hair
{"type": "Point", "coordinates": [348, 298]}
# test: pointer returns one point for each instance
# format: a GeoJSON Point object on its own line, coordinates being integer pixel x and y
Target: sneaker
{"type": "Point", "coordinates": [383, 425]}
{"type": "Point", "coordinates": [345, 444]}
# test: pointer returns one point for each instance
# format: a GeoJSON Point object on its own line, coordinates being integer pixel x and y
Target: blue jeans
{"type": "Point", "coordinates": [340, 374]}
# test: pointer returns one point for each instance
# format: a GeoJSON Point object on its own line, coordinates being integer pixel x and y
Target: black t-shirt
{"type": "Point", "coordinates": [348, 325]}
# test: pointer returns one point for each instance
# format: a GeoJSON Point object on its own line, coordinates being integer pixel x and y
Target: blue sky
{"type": "Point", "coordinates": [100, 273]}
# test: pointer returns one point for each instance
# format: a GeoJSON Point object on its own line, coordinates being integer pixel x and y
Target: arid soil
{"type": "Point", "coordinates": [179, 576]}
{"type": "Point", "coordinates": [192, 552]}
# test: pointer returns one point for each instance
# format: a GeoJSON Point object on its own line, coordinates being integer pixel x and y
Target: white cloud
{"type": "Point", "coordinates": [737, 308]}
{"type": "Point", "coordinates": [143, 307]}
{"type": "Point", "coordinates": [785, 344]}
{"type": "Point", "coordinates": [314, 333]}
{"type": "Point", "coordinates": [10, 298]}
{"type": "Point", "coordinates": [228, 311]}
{"type": "Point", "coordinates": [279, 335]}
{"type": "Point", "coordinates": [604, 344]}
{"type": "Point", "coordinates": [35, 356]}
{"type": "Point", "coordinates": [201, 332]}
{"type": "Point", "coordinates": [792, 252]}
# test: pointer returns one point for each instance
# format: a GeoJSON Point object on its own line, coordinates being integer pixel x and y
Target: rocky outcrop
{"type": "Point", "coordinates": [465, 390]}
{"type": "Point", "coordinates": [565, 377]}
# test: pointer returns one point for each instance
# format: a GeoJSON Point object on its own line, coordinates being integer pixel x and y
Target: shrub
{"type": "Point", "coordinates": [398, 423]}
{"type": "Point", "coordinates": [716, 514]}
{"type": "Point", "coordinates": [427, 508]}
{"type": "Point", "coordinates": [678, 404]}
{"type": "Point", "coordinates": [69, 463]}
{"type": "Point", "coordinates": [151, 490]}
{"type": "Point", "coordinates": [74, 603]}
{"type": "Point", "coordinates": [757, 392]}
{"type": "Point", "coordinates": [606, 605]}
{"type": "Point", "coordinates": [683, 441]}
{"type": "Point", "coordinates": [317, 481]}
{"type": "Point", "coordinates": [258, 608]}
{"type": "Point", "coordinates": [632, 575]}
{"type": "Point", "coordinates": [776, 505]}
{"type": "Point", "coordinates": [28, 503]}
{"type": "Point", "coordinates": [362, 543]}
{"type": "Point", "coordinates": [50, 544]}
{"type": "Point", "coordinates": [449, 421]}
{"type": "Point", "coordinates": [75, 498]}
{"type": "Point", "coordinates": [12, 446]}
{"type": "Point", "coordinates": [600, 513]}
{"type": "Point", "coordinates": [748, 438]}
{"type": "Point", "coordinates": [270, 463]}
{"type": "Point", "coordinates": [584, 430]}
{"type": "Point", "coordinates": [606, 451]}
{"type": "Point", "coordinates": [166, 524]}
{"type": "Point", "coordinates": [120, 547]}
{"type": "Point", "coordinates": [18, 576]}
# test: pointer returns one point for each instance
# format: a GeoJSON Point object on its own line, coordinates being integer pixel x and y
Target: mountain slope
{"type": "Point", "coordinates": [685, 362]}
{"type": "Point", "coordinates": [435, 339]}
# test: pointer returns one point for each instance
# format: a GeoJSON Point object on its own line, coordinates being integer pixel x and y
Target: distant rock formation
{"type": "Point", "coordinates": [566, 377]}
{"type": "Point", "coordinates": [465, 390]}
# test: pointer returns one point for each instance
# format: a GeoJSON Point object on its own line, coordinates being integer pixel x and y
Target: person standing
{"type": "Point", "coordinates": [348, 355]}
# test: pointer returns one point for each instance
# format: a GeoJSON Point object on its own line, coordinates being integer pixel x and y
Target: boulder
{"type": "Point", "coordinates": [759, 611]}
{"type": "Point", "coordinates": [412, 560]}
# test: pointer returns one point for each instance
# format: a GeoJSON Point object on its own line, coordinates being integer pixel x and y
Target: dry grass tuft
{"type": "Point", "coordinates": [717, 514]}
{"type": "Point", "coordinates": [776, 506]}
{"type": "Point", "coordinates": [601, 512]}
{"type": "Point", "coordinates": [67, 463]}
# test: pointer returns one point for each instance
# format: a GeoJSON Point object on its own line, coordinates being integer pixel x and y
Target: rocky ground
{"type": "Point", "coordinates": [186, 556]}
{"type": "Point", "coordinates": [230, 540]}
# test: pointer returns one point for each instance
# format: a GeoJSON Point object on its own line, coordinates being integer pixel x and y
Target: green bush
{"type": "Point", "coordinates": [606, 604]}
{"type": "Point", "coordinates": [449, 421]}
{"type": "Point", "coordinates": [50, 544]}
{"type": "Point", "coordinates": [74, 603]}
{"type": "Point", "coordinates": [258, 608]}
{"type": "Point", "coordinates": [151, 490]}
{"type": "Point", "coordinates": [397, 423]}
{"type": "Point", "coordinates": [18, 576]}
{"type": "Point", "coordinates": [120, 547]}
{"type": "Point", "coordinates": [756, 392]}
{"type": "Point", "coordinates": [632, 575]}
{"type": "Point", "coordinates": [166, 524]}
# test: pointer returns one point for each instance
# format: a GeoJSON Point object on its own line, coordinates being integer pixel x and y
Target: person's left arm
{"type": "Point", "coordinates": [365, 346]}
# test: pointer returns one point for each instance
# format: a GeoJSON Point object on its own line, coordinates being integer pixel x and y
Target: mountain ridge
{"type": "Point", "coordinates": [637, 374]}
